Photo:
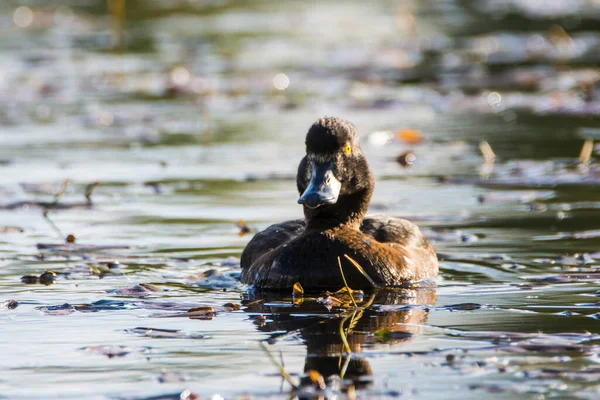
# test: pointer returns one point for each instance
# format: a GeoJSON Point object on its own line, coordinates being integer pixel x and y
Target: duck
{"type": "Point", "coordinates": [336, 244]}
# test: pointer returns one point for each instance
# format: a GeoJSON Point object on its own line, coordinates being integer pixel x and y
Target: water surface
{"type": "Point", "coordinates": [181, 124]}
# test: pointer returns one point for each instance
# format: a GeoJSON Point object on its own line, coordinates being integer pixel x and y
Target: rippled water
{"type": "Point", "coordinates": [186, 134]}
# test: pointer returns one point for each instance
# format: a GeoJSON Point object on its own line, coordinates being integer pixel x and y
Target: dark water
{"type": "Point", "coordinates": [192, 119]}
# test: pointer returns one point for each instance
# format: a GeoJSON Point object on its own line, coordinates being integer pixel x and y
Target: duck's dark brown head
{"type": "Point", "coordinates": [334, 178]}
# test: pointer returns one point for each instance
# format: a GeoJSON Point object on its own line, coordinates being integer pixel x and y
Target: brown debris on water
{"type": "Point", "coordinates": [46, 278]}
{"type": "Point", "coordinates": [30, 279]}
{"type": "Point", "coordinates": [260, 320]}
{"type": "Point", "coordinates": [11, 229]}
{"type": "Point", "coordinates": [243, 228]}
{"type": "Point", "coordinates": [313, 379]}
{"type": "Point", "coordinates": [406, 159]}
{"type": "Point", "coordinates": [201, 312]}
{"type": "Point", "coordinates": [297, 289]}
{"type": "Point", "coordinates": [232, 307]}
{"type": "Point", "coordinates": [410, 136]}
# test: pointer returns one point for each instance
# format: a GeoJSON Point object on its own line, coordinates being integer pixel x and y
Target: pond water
{"type": "Point", "coordinates": [187, 117]}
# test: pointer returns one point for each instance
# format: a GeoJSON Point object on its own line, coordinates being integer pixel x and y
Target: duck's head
{"type": "Point", "coordinates": [334, 178]}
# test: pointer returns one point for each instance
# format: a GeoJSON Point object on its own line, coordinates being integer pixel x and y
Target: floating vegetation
{"type": "Point", "coordinates": [112, 351]}
{"type": "Point", "coordinates": [46, 278]}
{"type": "Point", "coordinates": [157, 333]}
{"type": "Point", "coordinates": [140, 290]}
{"type": "Point", "coordinates": [216, 279]}
{"type": "Point", "coordinates": [244, 229]}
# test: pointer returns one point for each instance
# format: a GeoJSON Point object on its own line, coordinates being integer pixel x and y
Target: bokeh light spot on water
{"type": "Point", "coordinates": [281, 81]}
{"type": "Point", "coordinates": [494, 98]}
{"type": "Point", "coordinates": [23, 17]}
{"type": "Point", "coordinates": [105, 118]}
{"type": "Point", "coordinates": [180, 76]}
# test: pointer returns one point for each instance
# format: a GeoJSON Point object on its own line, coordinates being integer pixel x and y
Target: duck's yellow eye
{"type": "Point", "coordinates": [348, 149]}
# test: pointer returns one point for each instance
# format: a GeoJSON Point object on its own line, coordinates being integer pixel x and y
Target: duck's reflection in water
{"type": "Point", "coordinates": [382, 317]}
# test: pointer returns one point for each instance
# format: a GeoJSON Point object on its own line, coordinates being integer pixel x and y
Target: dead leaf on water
{"type": "Point", "coordinates": [410, 136]}
{"type": "Point", "coordinates": [201, 312]}
{"type": "Point", "coordinates": [244, 229]}
{"type": "Point", "coordinates": [11, 229]}
{"type": "Point", "coordinates": [297, 289]}
{"type": "Point", "coordinates": [141, 290]}
{"type": "Point", "coordinates": [314, 379]}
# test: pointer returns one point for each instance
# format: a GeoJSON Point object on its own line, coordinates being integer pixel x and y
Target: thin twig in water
{"type": "Point", "coordinates": [486, 151]}
{"type": "Point", "coordinates": [489, 158]}
{"type": "Point", "coordinates": [361, 270]}
{"type": "Point", "coordinates": [52, 224]}
{"type": "Point", "coordinates": [116, 9]}
{"type": "Point", "coordinates": [50, 206]}
{"type": "Point", "coordinates": [346, 284]}
{"type": "Point", "coordinates": [58, 195]}
{"type": "Point", "coordinates": [586, 151]}
{"type": "Point", "coordinates": [88, 192]}
{"type": "Point", "coordinates": [282, 371]}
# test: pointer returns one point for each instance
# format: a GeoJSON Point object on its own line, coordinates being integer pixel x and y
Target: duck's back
{"type": "Point", "coordinates": [271, 238]}
{"type": "Point", "coordinates": [391, 251]}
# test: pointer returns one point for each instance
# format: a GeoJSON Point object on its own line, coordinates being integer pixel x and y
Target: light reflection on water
{"type": "Point", "coordinates": [187, 135]}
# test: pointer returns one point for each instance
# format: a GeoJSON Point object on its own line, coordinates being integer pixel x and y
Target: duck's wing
{"type": "Point", "coordinates": [271, 238]}
{"type": "Point", "coordinates": [405, 236]}
{"type": "Point", "coordinates": [392, 230]}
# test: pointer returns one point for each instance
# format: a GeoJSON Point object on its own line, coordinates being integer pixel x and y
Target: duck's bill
{"type": "Point", "coordinates": [323, 188]}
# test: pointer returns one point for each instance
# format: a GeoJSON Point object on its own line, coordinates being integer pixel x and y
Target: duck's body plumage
{"type": "Point", "coordinates": [391, 251]}
{"type": "Point", "coordinates": [336, 188]}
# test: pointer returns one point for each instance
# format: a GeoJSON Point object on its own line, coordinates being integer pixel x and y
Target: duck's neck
{"type": "Point", "coordinates": [348, 212]}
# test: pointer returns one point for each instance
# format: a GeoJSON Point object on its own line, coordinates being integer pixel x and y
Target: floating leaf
{"type": "Point", "coordinates": [410, 136]}
{"type": "Point", "coordinates": [297, 289]}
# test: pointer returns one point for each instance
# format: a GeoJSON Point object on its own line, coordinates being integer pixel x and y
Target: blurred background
{"type": "Point", "coordinates": [175, 127]}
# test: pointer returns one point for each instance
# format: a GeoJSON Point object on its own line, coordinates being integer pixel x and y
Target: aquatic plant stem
{"type": "Point", "coordinates": [346, 284]}
{"type": "Point", "coordinates": [345, 341]}
{"type": "Point", "coordinates": [343, 335]}
{"type": "Point", "coordinates": [282, 371]}
{"type": "Point", "coordinates": [345, 367]}
{"type": "Point", "coordinates": [50, 206]}
{"type": "Point", "coordinates": [361, 270]}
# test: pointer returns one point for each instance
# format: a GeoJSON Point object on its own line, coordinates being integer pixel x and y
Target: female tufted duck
{"type": "Point", "coordinates": [335, 185]}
